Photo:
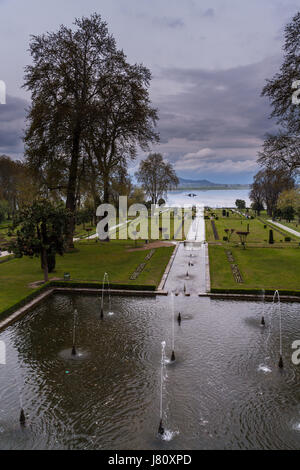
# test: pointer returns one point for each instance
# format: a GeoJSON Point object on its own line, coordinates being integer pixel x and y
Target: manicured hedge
{"type": "Point", "coordinates": [25, 300]}
{"type": "Point", "coordinates": [254, 291]}
{"type": "Point", "coordinates": [97, 285]}
{"type": "Point", "coordinates": [71, 284]}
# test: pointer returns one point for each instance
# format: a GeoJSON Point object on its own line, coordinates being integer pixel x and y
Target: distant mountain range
{"type": "Point", "coordinates": [194, 184]}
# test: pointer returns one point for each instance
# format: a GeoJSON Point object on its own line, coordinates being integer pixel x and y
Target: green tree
{"type": "Point", "coordinates": [289, 198]}
{"type": "Point", "coordinates": [288, 213]}
{"type": "Point", "coordinates": [69, 70]}
{"type": "Point", "coordinates": [4, 209]}
{"type": "Point", "coordinates": [41, 233]}
{"type": "Point", "coordinates": [257, 207]}
{"type": "Point", "coordinates": [240, 204]}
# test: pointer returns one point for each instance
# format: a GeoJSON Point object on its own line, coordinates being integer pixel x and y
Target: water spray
{"type": "Point", "coordinates": [263, 323]}
{"type": "Point", "coordinates": [105, 280]}
{"type": "Point", "coordinates": [22, 417]}
{"type": "Point", "coordinates": [161, 429]}
{"type": "Point", "coordinates": [173, 330]}
{"type": "Point", "coordinates": [280, 362]}
{"type": "Point", "coordinates": [74, 334]}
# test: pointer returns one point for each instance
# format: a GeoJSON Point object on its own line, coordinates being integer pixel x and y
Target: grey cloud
{"type": "Point", "coordinates": [169, 22]}
{"type": "Point", "coordinates": [210, 12]}
{"type": "Point", "coordinates": [12, 122]}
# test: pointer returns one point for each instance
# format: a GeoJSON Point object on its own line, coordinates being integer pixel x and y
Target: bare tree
{"type": "Point", "coordinates": [123, 121]}
{"type": "Point", "coordinates": [269, 184]}
{"type": "Point", "coordinates": [279, 88]}
{"type": "Point", "coordinates": [156, 176]}
{"type": "Point", "coordinates": [281, 151]}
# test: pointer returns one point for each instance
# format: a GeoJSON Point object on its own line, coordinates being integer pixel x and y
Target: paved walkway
{"type": "Point", "coordinates": [95, 235]}
{"type": "Point", "coordinates": [190, 259]}
{"type": "Point", "coordinates": [197, 229]}
{"type": "Point", "coordinates": [4, 253]}
{"type": "Point", "coordinates": [287, 229]}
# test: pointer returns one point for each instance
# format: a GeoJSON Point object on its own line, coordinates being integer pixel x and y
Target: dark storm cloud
{"type": "Point", "coordinates": [217, 116]}
{"type": "Point", "coordinates": [214, 56]}
{"type": "Point", "coordinates": [12, 118]}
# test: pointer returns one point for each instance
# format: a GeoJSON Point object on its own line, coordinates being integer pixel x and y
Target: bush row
{"type": "Point", "coordinates": [82, 285]}
{"type": "Point", "coordinates": [294, 293]}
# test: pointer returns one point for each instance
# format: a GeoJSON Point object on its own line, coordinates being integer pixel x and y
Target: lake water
{"type": "Point", "coordinates": [212, 198]}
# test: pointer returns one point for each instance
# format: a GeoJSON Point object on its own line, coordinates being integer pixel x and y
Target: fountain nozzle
{"type": "Point", "coordinates": [102, 313]}
{"type": "Point", "coordinates": [22, 417]}
{"type": "Point", "coordinates": [179, 318]}
{"type": "Point", "coordinates": [280, 363]}
{"type": "Point", "coordinates": [263, 321]}
{"type": "Point", "coordinates": [73, 350]}
{"type": "Point", "coordinates": [173, 356]}
{"type": "Point", "coordinates": [161, 430]}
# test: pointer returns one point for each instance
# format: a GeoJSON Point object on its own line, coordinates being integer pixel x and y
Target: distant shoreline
{"type": "Point", "coordinates": [211, 188]}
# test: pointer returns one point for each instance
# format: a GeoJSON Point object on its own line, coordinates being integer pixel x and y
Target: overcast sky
{"type": "Point", "coordinates": [209, 60]}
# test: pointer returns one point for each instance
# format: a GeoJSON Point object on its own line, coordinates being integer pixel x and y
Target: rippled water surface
{"type": "Point", "coordinates": [224, 391]}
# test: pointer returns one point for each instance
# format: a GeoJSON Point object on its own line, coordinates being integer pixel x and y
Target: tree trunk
{"type": "Point", "coordinates": [45, 264]}
{"type": "Point", "coordinates": [106, 201]}
{"type": "Point", "coordinates": [71, 191]}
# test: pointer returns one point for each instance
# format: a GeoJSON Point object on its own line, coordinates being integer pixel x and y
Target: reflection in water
{"type": "Point", "coordinates": [218, 395]}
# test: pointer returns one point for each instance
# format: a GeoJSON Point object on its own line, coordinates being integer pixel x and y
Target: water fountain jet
{"type": "Point", "coordinates": [173, 329]}
{"type": "Point", "coordinates": [263, 323]}
{"type": "Point", "coordinates": [74, 353]}
{"type": "Point", "coordinates": [161, 429]}
{"type": "Point", "coordinates": [105, 281]}
{"type": "Point", "coordinates": [22, 417]}
{"type": "Point", "coordinates": [280, 362]}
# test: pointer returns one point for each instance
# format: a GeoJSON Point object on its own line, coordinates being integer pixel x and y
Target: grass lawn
{"type": "Point", "coordinates": [258, 234]}
{"type": "Point", "coordinates": [170, 228]}
{"type": "Point", "coordinates": [88, 264]}
{"type": "Point", "coordinates": [261, 268]}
